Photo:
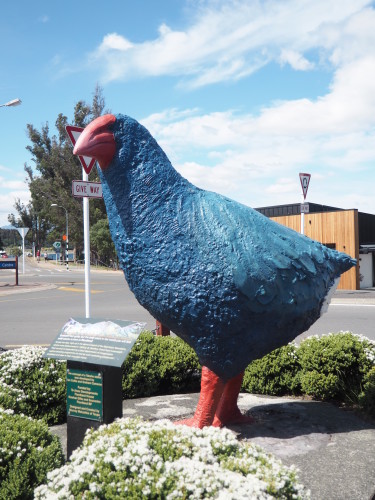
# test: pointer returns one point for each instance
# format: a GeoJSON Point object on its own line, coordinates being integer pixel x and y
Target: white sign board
{"type": "Point", "coordinates": [81, 189]}
{"type": "Point", "coordinates": [305, 181]}
{"type": "Point", "coordinates": [23, 231]}
{"type": "Point", "coordinates": [73, 133]}
{"type": "Point", "coordinates": [304, 208]}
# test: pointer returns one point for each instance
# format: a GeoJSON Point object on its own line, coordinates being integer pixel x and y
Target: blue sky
{"type": "Point", "coordinates": [242, 95]}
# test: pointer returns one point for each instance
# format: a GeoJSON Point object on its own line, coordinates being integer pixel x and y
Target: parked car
{"type": "Point", "coordinates": [3, 254]}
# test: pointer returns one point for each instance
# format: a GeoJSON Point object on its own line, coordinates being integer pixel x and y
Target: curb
{"type": "Point", "coordinates": [29, 287]}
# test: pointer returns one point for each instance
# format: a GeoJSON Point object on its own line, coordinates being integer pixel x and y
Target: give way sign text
{"type": "Point", "coordinates": [81, 189]}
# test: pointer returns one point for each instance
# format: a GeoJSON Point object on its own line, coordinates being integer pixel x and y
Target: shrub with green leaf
{"type": "Point", "coordinates": [33, 385]}
{"type": "Point", "coordinates": [275, 374]}
{"type": "Point", "coordinates": [27, 452]}
{"type": "Point", "coordinates": [336, 366]}
{"type": "Point", "coordinates": [160, 365]}
{"type": "Point", "coordinates": [367, 395]}
{"type": "Point", "coordinates": [135, 459]}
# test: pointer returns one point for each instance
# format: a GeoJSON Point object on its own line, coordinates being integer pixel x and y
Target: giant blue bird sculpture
{"type": "Point", "coordinates": [230, 282]}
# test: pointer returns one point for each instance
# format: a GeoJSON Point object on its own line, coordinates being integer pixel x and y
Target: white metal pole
{"type": "Point", "coordinates": [302, 218]}
{"type": "Point", "coordinates": [86, 244]}
{"type": "Point", "coordinates": [23, 252]}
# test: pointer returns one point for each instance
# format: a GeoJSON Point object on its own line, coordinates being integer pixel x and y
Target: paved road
{"type": "Point", "coordinates": [37, 317]}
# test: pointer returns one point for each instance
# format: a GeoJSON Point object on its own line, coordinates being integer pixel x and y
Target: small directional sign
{"type": "Point", "coordinates": [305, 208]}
{"type": "Point", "coordinates": [73, 133]}
{"type": "Point", "coordinates": [57, 245]}
{"type": "Point", "coordinates": [305, 181]}
{"type": "Point", "coordinates": [82, 189]}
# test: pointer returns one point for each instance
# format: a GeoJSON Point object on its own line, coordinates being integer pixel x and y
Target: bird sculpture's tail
{"type": "Point", "coordinates": [342, 263]}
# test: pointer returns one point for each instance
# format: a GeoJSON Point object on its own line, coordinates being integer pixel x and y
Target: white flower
{"type": "Point", "coordinates": [174, 461]}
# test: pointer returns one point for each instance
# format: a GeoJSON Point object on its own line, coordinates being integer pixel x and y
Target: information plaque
{"type": "Point", "coordinates": [95, 350]}
{"type": "Point", "coordinates": [84, 391]}
{"type": "Point", "coordinates": [100, 341]}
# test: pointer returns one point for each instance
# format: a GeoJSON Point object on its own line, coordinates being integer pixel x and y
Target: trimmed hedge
{"type": "Point", "coordinates": [333, 367]}
{"type": "Point", "coordinates": [160, 365]}
{"type": "Point", "coordinates": [275, 374]}
{"type": "Point", "coordinates": [338, 367]}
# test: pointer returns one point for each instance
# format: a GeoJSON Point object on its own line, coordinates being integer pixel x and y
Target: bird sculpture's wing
{"type": "Point", "coordinates": [269, 263]}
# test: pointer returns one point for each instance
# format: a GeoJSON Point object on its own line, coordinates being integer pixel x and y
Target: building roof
{"type": "Point", "coordinates": [294, 209]}
{"type": "Point", "coordinates": [366, 222]}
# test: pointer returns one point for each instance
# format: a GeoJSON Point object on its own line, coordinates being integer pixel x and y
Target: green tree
{"type": "Point", "coordinates": [50, 180]}
{"type": "Point", "coordinates": [101, 242]}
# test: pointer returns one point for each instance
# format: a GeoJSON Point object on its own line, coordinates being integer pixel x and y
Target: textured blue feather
{"type": "Point", "coordinates": [230, 282]}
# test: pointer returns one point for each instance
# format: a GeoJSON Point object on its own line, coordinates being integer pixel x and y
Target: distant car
{"type": "Point", "coordinates": [29, 254]}
{"type": "Point", "coordinates": [3, 255]}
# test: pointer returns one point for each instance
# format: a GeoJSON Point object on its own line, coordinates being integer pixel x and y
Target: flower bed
{"type": "Point", "coordinates": [135, 459]}
{"type": "Point", "coordinates": [33, 385]}
{"type": "Point", "coordinates": [27, 452]}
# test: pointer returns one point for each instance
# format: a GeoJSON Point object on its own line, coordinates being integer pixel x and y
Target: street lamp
{"type": "Point", "coordinates": [14, 102]}
{"type": "Point", "coordinates": [67, 234]}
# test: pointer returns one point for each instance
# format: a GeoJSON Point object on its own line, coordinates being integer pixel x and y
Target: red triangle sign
{"type": "Point", "coordinates": [305, 181]}
{"type": "Point", "coordinates": [73, 133]}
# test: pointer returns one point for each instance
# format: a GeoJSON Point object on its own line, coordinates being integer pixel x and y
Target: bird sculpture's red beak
{"type": "Point", "coordinates": [97, 141]}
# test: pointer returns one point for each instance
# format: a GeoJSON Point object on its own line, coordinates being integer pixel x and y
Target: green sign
{"type": "Point", "coordinates": [57, 245]}
{"type": "Point", "coordinates": [96, 341]}
{"type": "Point", "coordinates": [84, 392]}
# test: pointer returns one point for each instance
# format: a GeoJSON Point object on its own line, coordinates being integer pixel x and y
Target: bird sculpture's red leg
{"type": "Point", "coordinates": [211, 392]}
{"type": "Point", "coordinates": [227, 411]}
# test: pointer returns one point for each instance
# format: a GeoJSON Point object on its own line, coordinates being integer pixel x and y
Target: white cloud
{"type": "Point", "coordinates": [255, 158]}
{"type": "Point", "coordinates": [10, 191]}
{"type": "Point", "coordinates": [232, 39]}
{"type": "Point", "coordinates": [295, 59]}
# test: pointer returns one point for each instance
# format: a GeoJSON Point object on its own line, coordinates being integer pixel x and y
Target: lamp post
{"type": "Point", "coordinates": [67, 234]}
{"type": "Point", "coordinates": [13, 102]}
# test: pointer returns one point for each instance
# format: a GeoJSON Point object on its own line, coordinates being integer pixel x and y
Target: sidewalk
{"type": "Point", "coordinates": [333, 449]}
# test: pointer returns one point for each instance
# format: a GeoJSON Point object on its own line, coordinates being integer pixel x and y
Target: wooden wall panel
{"type": "Point", "coordinates": [332, 228]}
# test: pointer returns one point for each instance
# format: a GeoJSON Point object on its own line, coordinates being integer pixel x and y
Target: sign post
{"type": "Point", "coordinates": [10, 264]}
{"type": "Point", "coordinates": [87, 164]}
{"type": "Point", "coordinates": [95, 351]}
{"type": "Point", "coordinates": [305, 181]}
{"type": "Point", "coordinates": [23, 231]}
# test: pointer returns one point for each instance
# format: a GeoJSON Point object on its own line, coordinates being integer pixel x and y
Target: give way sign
{"type": "Point", "coordinates": [305, 181]}
{"type": "Point", "coordinates": [73, 133]}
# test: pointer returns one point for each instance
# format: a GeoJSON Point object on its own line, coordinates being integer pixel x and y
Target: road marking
{"type": "Point", "coordinates": [80, 290]}
{"type": "Point", "coordinates": [352, 304]}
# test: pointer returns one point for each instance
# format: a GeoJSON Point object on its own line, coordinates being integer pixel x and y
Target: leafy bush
{"type": "Point", "coordinates": [27, 452]}
{"type": "Point", "coordinates": [336, 366]}
{"type": "Point", "coordinates": [333, 366]}
{"type": "Point", "coordinates": [14, 251]}
{"type": "Point", "coordinates": [33, 385]}
{"type": "Point", "coordinates": [367, 396]}
{"type": "Point", "coordinates": [274, 374]}
{"type": "Point", "coordinates": [135, 459]}
{"type": "Point", "coordinates": [160, 365]}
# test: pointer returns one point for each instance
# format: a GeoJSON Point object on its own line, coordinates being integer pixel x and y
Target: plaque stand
{"type": "Point", "coordinates": [95, 350]}
{"type": "Point", "coordinates": [111, 377]}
